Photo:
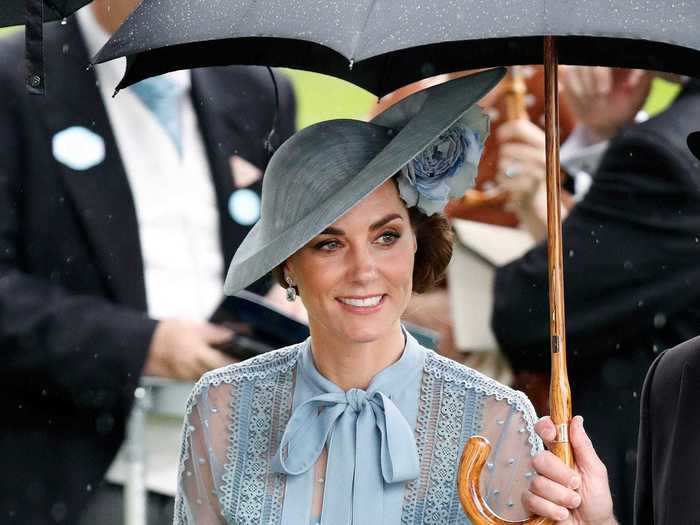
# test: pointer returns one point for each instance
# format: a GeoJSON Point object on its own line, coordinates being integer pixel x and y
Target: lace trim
{"type": "Point", "coordinates": [452, 372]}
{"type": "Point", "coordinates": [260, 367]}
{"type": "Point", "coordinates": [251, 493]}
{"type": "Point", "coordinates": [270, 366]}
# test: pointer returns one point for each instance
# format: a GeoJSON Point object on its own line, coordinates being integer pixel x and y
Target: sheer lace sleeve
{"type": "Point", "coordinates": [203, 456]}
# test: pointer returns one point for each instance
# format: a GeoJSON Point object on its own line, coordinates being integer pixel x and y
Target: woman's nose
{"type": "Point", "coordinates": [363, 265]}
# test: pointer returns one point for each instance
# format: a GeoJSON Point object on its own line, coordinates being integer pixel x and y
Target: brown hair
{"type": "Point", "coordinates": [434, 238]}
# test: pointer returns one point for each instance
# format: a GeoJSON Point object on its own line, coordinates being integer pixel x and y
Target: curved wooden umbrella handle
{"type": "Point", "coordinates": [473, 459]}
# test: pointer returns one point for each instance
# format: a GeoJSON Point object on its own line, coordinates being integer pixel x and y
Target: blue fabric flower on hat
{"type": "Point", "coordinates": [443, 170]}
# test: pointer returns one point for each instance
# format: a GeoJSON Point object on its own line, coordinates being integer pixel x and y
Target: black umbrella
{"type": "Point", "coordinates": [391, 44]}
{"type": "Point", "coordinates": [382, 45]}
{"type": "Point", "coordinates": [33, 14]}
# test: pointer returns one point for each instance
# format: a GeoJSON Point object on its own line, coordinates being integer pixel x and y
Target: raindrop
{"type": "Point", "coordinates": [659, 320]}
{"type": "Point", "coordinates": [571, 253]}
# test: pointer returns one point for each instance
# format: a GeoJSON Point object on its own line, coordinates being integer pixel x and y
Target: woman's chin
{"type": "Point", "coordinates": [367, 332]}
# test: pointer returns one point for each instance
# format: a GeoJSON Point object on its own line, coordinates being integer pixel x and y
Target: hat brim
{"type": "Point", "coordinates": [438, 108]}
{"type": "Point", "coordinates": [694, 144]}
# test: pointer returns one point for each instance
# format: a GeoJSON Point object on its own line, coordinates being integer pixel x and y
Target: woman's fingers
{"type": "Point", "coordinates": [522, 153]}
{"type": "Point", "coordinates": [555, 492]}
{"type": "Point", "coordinates": [584, 454]}
{"type": "Point", "coordinates": [546, 430]}
{"type": "Point", "coordinates": [521, 130]}
{"type": "Point", "coordinates": [548, 465]}
{"type": "Point", "coordinates": [540, 506]}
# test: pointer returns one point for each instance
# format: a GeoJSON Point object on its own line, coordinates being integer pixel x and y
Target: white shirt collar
{"type": "Point", "coordinates": [111, 73]}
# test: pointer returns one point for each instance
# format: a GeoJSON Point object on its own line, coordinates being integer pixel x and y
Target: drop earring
{"type": "Point", "coordinates": [291, 290]}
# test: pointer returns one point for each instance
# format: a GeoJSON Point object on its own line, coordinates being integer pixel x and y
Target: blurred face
{"type": "Point", "coordinates": [355, 278]}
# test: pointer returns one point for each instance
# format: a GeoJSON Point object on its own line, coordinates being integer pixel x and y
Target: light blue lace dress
{"type": "Point", "coordinates": [271, 441]}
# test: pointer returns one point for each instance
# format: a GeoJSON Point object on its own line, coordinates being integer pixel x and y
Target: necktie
{"type": "Point", "coordinates": [369, 443]}
{"type": "Point", "coordinates": [161, 96]}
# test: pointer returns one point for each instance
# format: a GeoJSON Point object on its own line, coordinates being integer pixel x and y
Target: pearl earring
{"type": "Point", "coordinates": [291, 290]}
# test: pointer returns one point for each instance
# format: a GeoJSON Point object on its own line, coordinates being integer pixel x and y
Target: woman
{"type": "Point", "coordinates": [360, 424]}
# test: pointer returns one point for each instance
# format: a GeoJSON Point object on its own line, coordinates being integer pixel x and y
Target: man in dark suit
{"type": "Point", "coordinates": [632, 282]}
{"type": "Point", "coordinates": [78, 322]}
{"type": "Point", "coordinates": [668, 461]}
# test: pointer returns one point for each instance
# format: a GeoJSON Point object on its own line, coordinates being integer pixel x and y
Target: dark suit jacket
{"type": "Point", "coordinates": [73, 332]}
{"type": "Point", "coordinates": [632, 282]}
{"type": "Point", "coordinates": [668, 464]}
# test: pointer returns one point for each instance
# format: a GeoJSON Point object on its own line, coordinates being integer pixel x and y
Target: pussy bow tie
{"type": "Point", "coordinates": [369, 443]}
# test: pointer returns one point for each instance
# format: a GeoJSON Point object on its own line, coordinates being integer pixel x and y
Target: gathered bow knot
{"type": "Point", "coordinates": [370, 444]}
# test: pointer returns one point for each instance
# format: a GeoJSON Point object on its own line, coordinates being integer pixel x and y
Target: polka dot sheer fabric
{"type": "Point", "coordinates": [237, 415]}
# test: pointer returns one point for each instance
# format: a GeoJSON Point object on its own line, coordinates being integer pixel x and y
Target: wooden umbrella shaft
{"type": "Point", "coordinates": [559, 390]}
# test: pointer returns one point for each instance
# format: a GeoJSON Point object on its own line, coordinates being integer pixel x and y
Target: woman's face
{"type": "Point", "coordinates": [355, 278]}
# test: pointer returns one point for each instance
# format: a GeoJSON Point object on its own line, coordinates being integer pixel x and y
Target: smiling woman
{"type": "Point", "coordinates": [359, 423]}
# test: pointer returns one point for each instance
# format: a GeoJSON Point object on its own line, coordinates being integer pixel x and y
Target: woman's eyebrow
{"type": "Point", "coordinates": [382, 222]}
{"type": "Point", "coordinates": [375, 226]}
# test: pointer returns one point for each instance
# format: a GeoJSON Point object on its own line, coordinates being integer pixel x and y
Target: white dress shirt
{"type": "Point", "coordinates": [178, 223]}
{"type": "Point", "coordinates": [173, 195]}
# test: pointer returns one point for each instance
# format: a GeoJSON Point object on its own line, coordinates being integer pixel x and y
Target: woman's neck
{"type": "Point", "coordinates": [353, 365]}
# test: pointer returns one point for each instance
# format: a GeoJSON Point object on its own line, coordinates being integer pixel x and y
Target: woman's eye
{"type": "Point", "coordinates": [388, 238]}
{"type": "Point", "coordinates": [328, 246]}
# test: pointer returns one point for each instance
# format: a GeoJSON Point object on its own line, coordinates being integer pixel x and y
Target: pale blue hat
{"type": "Point", "coordinates": [324, 170]}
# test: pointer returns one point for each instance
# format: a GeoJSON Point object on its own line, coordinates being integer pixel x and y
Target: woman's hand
{"type": "Point", "coordinates": [578, 496]}
{"type": "Point", "coordinates": [521, 160]}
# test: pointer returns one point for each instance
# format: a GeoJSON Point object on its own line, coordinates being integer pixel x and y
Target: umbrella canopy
{"type": "Point", "coordinates": [392, 43]}
{"type": "Point", "coordinates": [12, 11]}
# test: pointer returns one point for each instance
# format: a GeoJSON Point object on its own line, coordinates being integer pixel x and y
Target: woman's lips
{"type": "Point", "coordinates": [362, 305]}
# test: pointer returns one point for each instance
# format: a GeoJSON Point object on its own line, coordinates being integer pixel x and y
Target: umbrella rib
{"type": "Point", "coordinates": [360, 33]}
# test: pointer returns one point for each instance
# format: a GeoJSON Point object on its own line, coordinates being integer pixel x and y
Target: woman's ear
{"type": "Point", "coordinates": [287, 274]}
{"type": "Point", "coordinates": [415, 242]}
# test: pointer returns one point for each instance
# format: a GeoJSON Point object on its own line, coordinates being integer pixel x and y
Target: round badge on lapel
{"type": "Point", "coordinates": [244, 207]}
{"type": "Point", "coordinates": [78, 148]}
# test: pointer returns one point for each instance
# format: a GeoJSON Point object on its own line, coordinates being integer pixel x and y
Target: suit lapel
{"type": "Point", "coordinates": [224, 137]}
{"type": "Point", "coordinates": [683, 474]}
{"type": "Point", "coordinates": [101, 194]}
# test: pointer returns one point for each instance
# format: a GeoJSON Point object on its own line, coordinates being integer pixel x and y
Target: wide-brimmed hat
{"type": "Point", "coordinates": [694, 143]}
{"type": "Point", "coordinates": [324, 170]}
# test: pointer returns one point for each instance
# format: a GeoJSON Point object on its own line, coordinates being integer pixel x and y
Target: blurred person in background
{"type": "Point", "coordinates": [117, 220]}
{"type": "Point", "coordinates": [630, 256]}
